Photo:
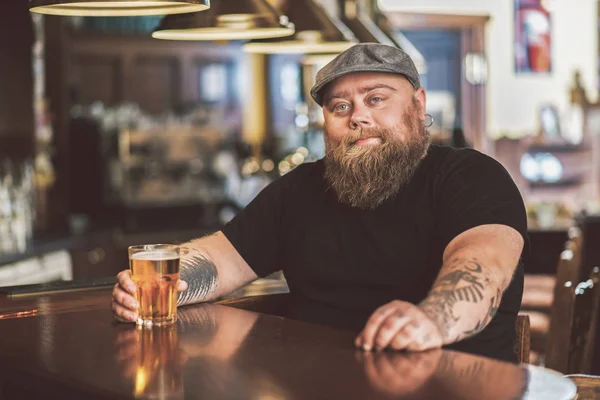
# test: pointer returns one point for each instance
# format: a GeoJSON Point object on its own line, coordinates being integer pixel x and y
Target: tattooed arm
{"type": "Point", "coordinates": [478, 266]}
{"type": "Point", "coordinates": [213, 268]}
{"type": "Point", "coordinates": [210, 268]}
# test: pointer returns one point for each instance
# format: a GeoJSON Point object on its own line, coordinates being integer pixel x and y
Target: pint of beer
{"type": "Point", "coordinates": [155, 271]}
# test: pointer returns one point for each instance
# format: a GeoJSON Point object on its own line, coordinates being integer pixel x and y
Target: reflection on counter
{"type": "Point", "coordinates": [224, 352]}
{"type": "Point", "coordinates": [153, 358]}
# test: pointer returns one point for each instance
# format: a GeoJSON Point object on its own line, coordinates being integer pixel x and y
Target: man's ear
{"type": "Point", "coordinates": [421, 98]}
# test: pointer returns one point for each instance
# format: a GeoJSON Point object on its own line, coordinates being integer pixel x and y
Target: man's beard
{"type": "Point", "coordinates": [366, 176]}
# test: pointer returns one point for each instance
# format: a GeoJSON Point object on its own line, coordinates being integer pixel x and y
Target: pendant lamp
{"type": "Point", "coordinates": [316, 32]}
{"type": "Point", "coordinates": [115, 8]}
{"type": "Point", "coordinates": [227, 20]}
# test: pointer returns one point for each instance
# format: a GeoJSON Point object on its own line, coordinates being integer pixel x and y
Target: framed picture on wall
{"type": "Point", "coordinates": [549, 122]}
{"type": "Point", "coordinates": [532, 36]}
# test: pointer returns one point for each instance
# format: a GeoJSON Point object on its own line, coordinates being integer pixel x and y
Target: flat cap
{"type": "Point", "coordinates": [366, 57]}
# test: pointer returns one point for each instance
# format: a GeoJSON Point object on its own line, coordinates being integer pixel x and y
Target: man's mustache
{"type": "Point", "coordinates": [354, 137]}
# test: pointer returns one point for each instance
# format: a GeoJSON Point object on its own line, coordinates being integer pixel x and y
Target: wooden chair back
{"type": "Point", "coordinates": [585, 320]}
{"type": "Point", "coordinates": [590, 229]}
{"type": "Point", "coordinates": [574, 315]}
{"type": "Point", "coordinates": [523, 344]}
{"type": "Point", "coordinates": [589, 226]}
{"type": "Point", "coordinates": [561, 315]}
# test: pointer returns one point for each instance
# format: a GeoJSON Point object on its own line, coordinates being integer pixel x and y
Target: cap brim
{"type": "Point", "coordinates": [317, 91]}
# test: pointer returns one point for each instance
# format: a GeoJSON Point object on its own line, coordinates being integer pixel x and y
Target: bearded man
{"type": "Point", "coordinates": [414, 246]}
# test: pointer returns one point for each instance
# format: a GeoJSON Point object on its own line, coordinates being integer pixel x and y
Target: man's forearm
{"type": "Point", "coordinates": [213, 268]}
{"type": "Point", "coordinates": [464, 298]}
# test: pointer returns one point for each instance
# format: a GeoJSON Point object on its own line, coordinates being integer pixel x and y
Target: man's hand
{"type": "Point", "coordinates": [400, 326]}
{"type": "Point", "coordinates": [124, 304]}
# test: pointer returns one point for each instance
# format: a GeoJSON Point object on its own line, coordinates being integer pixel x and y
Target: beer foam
{"type": "Point", "coordinates": [155, 255]}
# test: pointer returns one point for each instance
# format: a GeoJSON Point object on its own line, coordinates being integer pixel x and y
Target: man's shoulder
{"type": "Point", "coordinates": [310, 168]}
{"type": "Point", "coordinates": [445, 158]}
{"type": "Point", "coordinates": [464, 166]}
{"type": "Point", "coordinates": [308, 172]}
{"type": "Point", "coordinates": [447, 154]}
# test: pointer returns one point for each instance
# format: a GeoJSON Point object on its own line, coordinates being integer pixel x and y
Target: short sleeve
{"type": "Point", "coordinates": [474, 189]}
{"type": "Point", "coordinates": [255, 230]}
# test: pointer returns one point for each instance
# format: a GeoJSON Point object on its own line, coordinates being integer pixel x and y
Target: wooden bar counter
{"type": "Point", "coordinates": [67, 346]}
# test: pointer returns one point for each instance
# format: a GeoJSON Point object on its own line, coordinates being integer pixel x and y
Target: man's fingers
{"type": "Point", "coordinates": [182, 286]}
{"type": "Point", "coordinates": [425, 341]}
{"type": "Point", "coordinates": [123, 305]}
{"type": "Point", "coordinates": [124, 299]}
{"type": "Point", "coordinates": [125, 281]}
{"type": "Point", "coordinates": [416, 338]}
{"type": "Point", "coordinates": [427, 336]}
{"type": "Point", "coordinates": [367, 336]}
{"type": "Point", "coordinates": [403, 338]}
{"type": "Point", "coordinates": [123, 314]}
{"type": "Point", "coordinates": [123, 302]}
{"type": "Point", "coordinates": [389, 328]}
{"type": "Point", "coordinates": [401, 326]}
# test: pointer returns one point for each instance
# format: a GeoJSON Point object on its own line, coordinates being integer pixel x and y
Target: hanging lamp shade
{"type": "Point", "coordinates": [116, 8]}
{"type": "Point", "coordinates": [227, 20]}
{"type": "Point", "coordinates": [316, 32]}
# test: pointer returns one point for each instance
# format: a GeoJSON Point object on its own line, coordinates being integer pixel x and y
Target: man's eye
{"type": "Point", "coordinates": [342, 107]}
{"type": "Point", "coordinates": [376, 100]}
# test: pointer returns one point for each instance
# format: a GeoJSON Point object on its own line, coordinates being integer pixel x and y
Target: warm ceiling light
{"type": "Point", "coordinates": [116, 8]}
{"type": "Point", "coordinates": [306, 43]}
{"type": "Point", "coordinates": [227, 20]}
{"type": "Point", "coordinates": [316, 32]}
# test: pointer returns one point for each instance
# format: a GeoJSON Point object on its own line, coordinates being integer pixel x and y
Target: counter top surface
{"type": "Point", "coordinates": [68, 345]}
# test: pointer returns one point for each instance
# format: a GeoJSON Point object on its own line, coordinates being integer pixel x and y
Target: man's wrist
{"type": "Point", "coordinates": [433, 311]}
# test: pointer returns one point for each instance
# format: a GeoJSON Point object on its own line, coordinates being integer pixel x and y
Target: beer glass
{"type": "Point", "coordinates": [155, 271]}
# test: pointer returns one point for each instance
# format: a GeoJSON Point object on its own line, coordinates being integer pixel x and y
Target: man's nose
{"type": "Point", "coordinates": [360, 118]}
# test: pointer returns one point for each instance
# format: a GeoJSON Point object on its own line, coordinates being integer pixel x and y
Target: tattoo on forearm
{"type": "Point", "coordinates": [494, 304]}
{"type": "Point", "coordinates": [466, 284]}
{"type": "Point", "coordinates": [201, 275]}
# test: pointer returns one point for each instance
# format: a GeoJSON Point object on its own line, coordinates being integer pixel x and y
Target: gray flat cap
{"type": "Point", "coordinates": [366, 57]}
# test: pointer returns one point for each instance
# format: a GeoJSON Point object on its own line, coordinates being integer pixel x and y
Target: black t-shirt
{"type": "Point", "coordinates": [342, 263]}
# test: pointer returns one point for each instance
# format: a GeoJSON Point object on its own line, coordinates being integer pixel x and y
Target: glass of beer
{"type": "Point", "coordinates": [155, 271]}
